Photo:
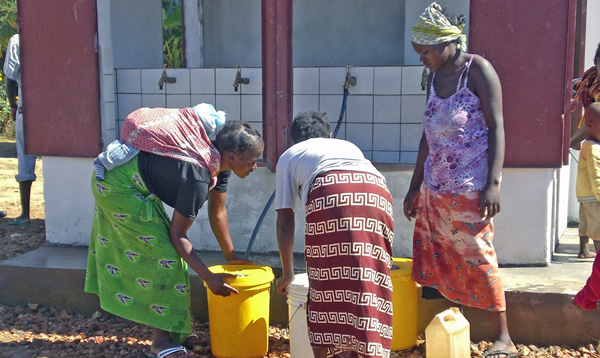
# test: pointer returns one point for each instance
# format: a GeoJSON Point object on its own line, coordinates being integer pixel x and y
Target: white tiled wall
{"type": "Point", "coordinates": [383, 114]}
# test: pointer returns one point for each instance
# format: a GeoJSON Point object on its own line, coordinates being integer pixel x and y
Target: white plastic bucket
{"type": "Point", "coordinates": [297, 296]}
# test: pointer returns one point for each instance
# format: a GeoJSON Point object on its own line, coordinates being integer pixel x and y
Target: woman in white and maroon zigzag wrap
{"type": "Point", "coordinates": [348, 240]}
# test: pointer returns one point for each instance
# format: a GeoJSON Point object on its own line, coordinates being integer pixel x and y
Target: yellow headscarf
{"type": "Point", "coordinates": [434, 28]}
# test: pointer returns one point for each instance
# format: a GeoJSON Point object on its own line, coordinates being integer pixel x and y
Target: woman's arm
{"type": "Point", "coordinates": [411, 201]}
{"type": "Point", "coordinates": [178, 235]}
{"type": "Point", "coordinates": [217, 215]}
{"type": "Point", "coordinates": [488, 89]}
{"type": "Point", "coordinates": [580, 134]}
{"type": "Point", "coordinates": [285, 239]}
{"type": "Point", "coordinates": [12, 90]}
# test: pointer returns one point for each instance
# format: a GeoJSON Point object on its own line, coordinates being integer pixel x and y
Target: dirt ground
{"type": "Point", "coordinates": [43, 332]}
{"type": "Point", "coordinates": [28, 237]}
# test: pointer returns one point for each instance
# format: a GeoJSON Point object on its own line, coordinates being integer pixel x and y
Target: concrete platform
{"type": "Point", "coordinates": [540, 299]}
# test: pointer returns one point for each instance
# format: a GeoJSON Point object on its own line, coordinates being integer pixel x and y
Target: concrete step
{"type": "Point", "coordinates": [539, 299]}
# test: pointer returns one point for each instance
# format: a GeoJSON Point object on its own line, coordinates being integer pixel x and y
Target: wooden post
{"type": "Point", "coordinates": [277, 77]}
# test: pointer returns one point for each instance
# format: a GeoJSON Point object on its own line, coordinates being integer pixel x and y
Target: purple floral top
{"type": "Point", "coordinates": [457, 135]}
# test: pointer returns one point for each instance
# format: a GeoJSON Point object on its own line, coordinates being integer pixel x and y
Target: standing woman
{"type": "Point", "coordinates": [459, 162]}
{"type": "Point", "coordinates": [138, 256]}
{"type": "Point", "coordinates": [348, 240]}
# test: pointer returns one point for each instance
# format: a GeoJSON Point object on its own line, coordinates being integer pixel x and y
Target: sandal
{"type": "Point", "coordinates": [167, 352]}
{"type": "Point", "coordinates": [17, 222]}
{"type": "Point", "coordinates": [506, 354]}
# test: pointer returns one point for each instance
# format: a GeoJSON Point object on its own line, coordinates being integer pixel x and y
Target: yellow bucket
{"type": "Point", "coordinates": [239, 323]}
{"type": "Point", "coordinates": [405, 305]}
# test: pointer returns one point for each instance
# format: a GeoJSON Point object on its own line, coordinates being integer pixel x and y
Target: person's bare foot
{"type": "Point", "coordinates": [162, 342]}
{"type": "Point", "coordinates": [24, 219]}
{"type": "Point", "coordinates": [502, 349]}
{"type": "Point", "coordinates": [170, 351]}
{"type": "Point", "coordinates": [586, 255]}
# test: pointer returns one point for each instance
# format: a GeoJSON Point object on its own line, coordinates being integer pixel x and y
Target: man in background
{"type": "Point", "coordinates": [26, 163]}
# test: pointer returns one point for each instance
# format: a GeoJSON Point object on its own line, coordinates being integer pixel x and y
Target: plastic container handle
{"type": "Point", "coordinates": [450, 317]}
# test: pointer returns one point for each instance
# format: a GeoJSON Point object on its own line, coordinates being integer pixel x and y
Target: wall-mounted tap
{"type": "Point", "coordinates": [165, 79]}
{"type": "Point", "coordinates": [350, 80]}
{"type": "Point", "coordinates": [239, 79]}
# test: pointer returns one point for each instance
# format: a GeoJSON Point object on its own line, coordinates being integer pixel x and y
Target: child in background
{"type": "Point", "coordinates": [587, 91]}
{"type": "Point", "coordinates": [588, 195]}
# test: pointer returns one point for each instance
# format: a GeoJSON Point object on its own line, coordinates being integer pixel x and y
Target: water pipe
{"type": "Point", "coordinates": [350, 81]}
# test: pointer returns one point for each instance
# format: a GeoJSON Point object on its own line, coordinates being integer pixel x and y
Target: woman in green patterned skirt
{"type": "Point", "coordinates": [138, 256]}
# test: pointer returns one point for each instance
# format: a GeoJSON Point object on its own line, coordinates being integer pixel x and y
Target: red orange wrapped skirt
{"type": "Point", "coordinates": [453, 250]}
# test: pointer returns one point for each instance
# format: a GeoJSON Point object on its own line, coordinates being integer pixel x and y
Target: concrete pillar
{"type": "Point", "coordinates": [276, 18]}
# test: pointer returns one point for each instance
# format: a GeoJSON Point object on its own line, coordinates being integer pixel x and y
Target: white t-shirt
{"type": "Point", "coordinates": [303, 162]}
{"type": "Point", "coordinates": [12, 64]}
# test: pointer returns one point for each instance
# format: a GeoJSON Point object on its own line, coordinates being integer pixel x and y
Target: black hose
{"type": "Point", "coordinates": [270, 201]}
{"type": "Point", "coordinates": [342, 113]}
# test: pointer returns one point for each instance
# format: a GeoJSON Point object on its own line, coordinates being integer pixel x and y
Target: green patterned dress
{"type": "Point", "coordinates": [132, 264]}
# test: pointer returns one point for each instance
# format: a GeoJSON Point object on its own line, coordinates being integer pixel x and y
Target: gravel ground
{"type": "Point", "coordinates": [42, 332]}
{"type": "Point", "coordinates": [32, 331]}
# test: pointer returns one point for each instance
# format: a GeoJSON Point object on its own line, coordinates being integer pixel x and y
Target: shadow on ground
{"type": "Point", "coordinates": [8, 149]}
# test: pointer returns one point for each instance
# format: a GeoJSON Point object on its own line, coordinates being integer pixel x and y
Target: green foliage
{"type": "Point", "coordinates": [7, 125]}
{"type": "Point", "coordinates": [8, 22]}
{"type": "Point", "coordinates": [172, 33]}
{"type": "Point", "coordinates": [8, 27]}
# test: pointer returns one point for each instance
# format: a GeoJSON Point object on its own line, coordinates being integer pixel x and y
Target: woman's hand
{"type": "Point", "coordinates": [237, 260]}
{"type": "Point", "coordinates": [574, 104]}
{"type": "Point", "coordinates": [489, 203]}
{"type": "Point", "coordinates": [282, 283]}
{"type": "Point", "coordinates": [216, 283]}
{"type": "Point", "coordinates": [411, 202]}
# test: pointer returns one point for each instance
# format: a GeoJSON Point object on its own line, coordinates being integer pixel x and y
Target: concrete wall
{"type": "Point", "coordinates": [68, 200]}
{"type": "Point", "coordinates": [232, 33]}
{"type": "Point", "coordinates": [592, 32]}
{"type": "Point", "coordinates": [106, 72]}
{"type": "Point", "coordinates": [524, 229]}
{"type": "Point", "coordinates": [137, 33]}
{"type": "Point", "coordinates": [561, 203]}
{"type": "Point", "coordinates": [325, 33]}
{"type": "Point", "coordinates": [340, 32]}
{"type": "Point", "coordinates": [383, 115]}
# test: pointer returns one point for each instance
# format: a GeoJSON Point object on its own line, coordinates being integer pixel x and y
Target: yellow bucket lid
{"type": "Point", "coordinates": [401, 267]}
{"type": "Point", "coordinates": [247, 276]}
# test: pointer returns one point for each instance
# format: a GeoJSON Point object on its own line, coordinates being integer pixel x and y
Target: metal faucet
{"type": "Point", "coordinates": [350, 80]}
{"type": "Point", "coordinates": [239, 79]}
{"type": "Point", "coordinates": [165, 79]}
